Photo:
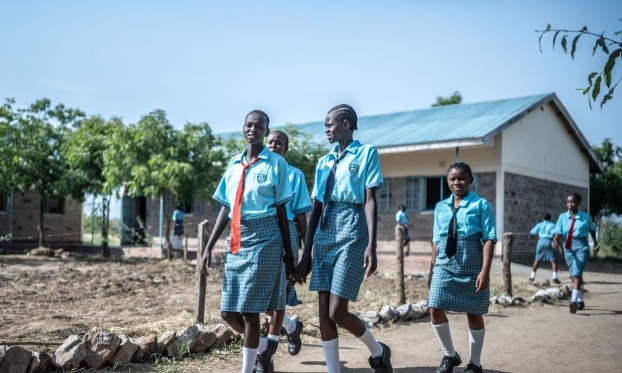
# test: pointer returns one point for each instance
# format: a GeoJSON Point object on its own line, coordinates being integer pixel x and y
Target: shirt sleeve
{"type": "Point", "coordinates": [590, 223]}
{"type": "Point", "coordinates": [316, 184]}
{"type": "Point", "coordinates": [487, 221]}
{"type": "Point", "coordinates": [373, 178]}
{"type": "Point", "coordinates": [301, 202]}
{"type": "Point", "coordinates": [436, 230]}
{"type": "Point", "coordinates": [534, 231]}
{"type": "Point", "coordinates": [559, 225]}
{"type": "Point", "coordinates": [283, 189]}
{"type": "Point", "coordinates": [220, 194]}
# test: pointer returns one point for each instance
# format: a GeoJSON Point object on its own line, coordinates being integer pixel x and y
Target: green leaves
{"type": "Point", "coordinates": [574, 45]}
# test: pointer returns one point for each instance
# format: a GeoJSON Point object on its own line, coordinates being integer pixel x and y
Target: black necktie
{"type": "Point", "coordinates": [452, 236]}
{"type": "Point", "coordinates": [328, 191]}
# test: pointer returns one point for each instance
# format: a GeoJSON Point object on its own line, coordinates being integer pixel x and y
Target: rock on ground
{"type": "Point", "coordinates": [16, 360]}
{"type": "Point", "coordinates": [147, 346]}
{"type": "Point", "coordinates": [100, 347]}
{"type": "Point", "coordinates": [71, 353]}
{"type": "Point", "coordinates": [127, 349]}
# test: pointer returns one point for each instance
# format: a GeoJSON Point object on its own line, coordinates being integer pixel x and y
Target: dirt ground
{"type": "Point", "coordinates": [47, 299]}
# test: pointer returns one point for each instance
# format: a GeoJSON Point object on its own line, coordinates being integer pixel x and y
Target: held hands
{"type": "Point", "coordinates": [302, 270]}
{"type": "Point", "coordinates": [482, 282]}
{"type": "Point", "coordinates": [371, 261]}
{"type": "Point", "coordinates": [290, 267]}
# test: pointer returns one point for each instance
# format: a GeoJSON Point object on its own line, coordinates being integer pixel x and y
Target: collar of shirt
{"type": "Point", "coordinates": [352, 148]}
{"type": "Point", "coordinates": [578, 216]}
{"type": "Point", "coordinates": [263, 154]}
{"type": "Point", "coordinates": [450, 200]}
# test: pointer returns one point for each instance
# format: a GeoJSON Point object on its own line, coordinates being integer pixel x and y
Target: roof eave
{"type": "Point", "coordinates": [433, 146]}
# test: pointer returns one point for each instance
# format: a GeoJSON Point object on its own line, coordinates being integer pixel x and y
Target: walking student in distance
{"type": "Point", "coordinates": [573, 227]}
{"type": "Point", "coordinates": [297, 208]}
{"type": "Point", "coordinates": [402, 220]}
{"type": "Point", "coordinates": [464, 238]}
{"type": "Point", "coordinates": [544, 250]}
{"type": "Point", "coordinates": [342, 234]}
{"type": "Point", "coordinates": [253, 191]}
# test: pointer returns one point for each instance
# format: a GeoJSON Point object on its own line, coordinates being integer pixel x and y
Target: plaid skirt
{"type": "Point", "coordinates": [577, 255]}
{"type": "Point", "coordinates": [291, 298]}
{"type": "Point", "coordinates": [253, 280]}
{"type": "Point", "coordinates": [339, 251]}
{"type": "Point", "coordinates": [453, 280]}
{"type": "Point", "coordinates": [544, 251]}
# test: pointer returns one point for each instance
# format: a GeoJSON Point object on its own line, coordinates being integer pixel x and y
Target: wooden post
{"type": "Point", "coordinates": [399, 280]}
{"type": "Point", "coordinates": [186, 247]}
{"type": "Point", "coordinates": [508, 242]}
{"type": "Point", "coordinates": [201, 279]}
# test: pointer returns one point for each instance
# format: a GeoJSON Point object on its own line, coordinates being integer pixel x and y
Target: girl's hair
{"type": "Point", "coordinates": [343, 112]}
{"type": "Point", "coordinates": [547, 216]}
{"type": "Point", "coordinates": [576, 197]}
{"type": "Point", "coordinates": [460, 166]}
{"type": "Point", "coordinates": [401, 206]}
{"type": "Point", "coordinates": [277, 132]}
{"type": "Point", "coordinates": [260, 112]}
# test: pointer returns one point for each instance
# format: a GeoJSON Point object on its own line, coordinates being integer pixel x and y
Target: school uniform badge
{"type": "Point", "coordinates": [354, 167]}
{"type": "Point", "coordinates": [261, 177]}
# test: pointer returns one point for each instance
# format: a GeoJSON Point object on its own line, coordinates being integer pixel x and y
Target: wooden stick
{"type": "Point", "coordinates": [30, 343]}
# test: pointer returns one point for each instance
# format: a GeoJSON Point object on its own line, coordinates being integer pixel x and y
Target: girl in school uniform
{"type": "Point", "coordinates": [462, 252]}
{"type": "Point", "coordinates": [574, 226]}
{"type": "Point", "coordinates": [253, 191]}
{"type": "Point", "coordinates": [342, 234]}
{"type": "Point", "coordinates": [544, 250]}
{"type": "Point", "coordinates": [297, 208]}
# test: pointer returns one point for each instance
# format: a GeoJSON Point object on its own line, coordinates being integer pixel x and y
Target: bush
{"type": "Point", "coordinates": [611, 239]}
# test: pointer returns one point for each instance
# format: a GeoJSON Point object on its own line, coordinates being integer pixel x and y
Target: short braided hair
{"type": "Point", "coordinates": [343, 112]}
{"type": "Point", "coordinates": [461, 166]}
{"type": "Point", "coordinates": [260, 112]}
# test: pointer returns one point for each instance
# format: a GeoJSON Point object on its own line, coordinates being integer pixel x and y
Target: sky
{"type": "Point", "coordinates": [214, 61]}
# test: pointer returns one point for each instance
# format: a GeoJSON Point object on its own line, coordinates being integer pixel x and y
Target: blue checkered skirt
{"type": "Point", "coordinates": [339, 251]}
{"type": "Point", "coordinates": [577, 255]}
{"type": "Point", "coordinates": [453, 280]}
{"type": "Point", "coordinates": [253, 280]}
{"type": "Point", "coordinates": [291, 298]}
{"type": "Point", "coordinates": [544, 251]}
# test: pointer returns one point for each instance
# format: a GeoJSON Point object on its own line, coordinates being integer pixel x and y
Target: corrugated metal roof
{"type": "Point", "coordinates": [435, 125]}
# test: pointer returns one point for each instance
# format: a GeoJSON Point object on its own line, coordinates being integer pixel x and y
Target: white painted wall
{"type": "Point", "coordinates": [539, 146]}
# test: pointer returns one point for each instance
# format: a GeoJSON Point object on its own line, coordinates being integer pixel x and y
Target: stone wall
{"type": "Point", "coordinates": [65, 227]}
{"type": "Point", "coordinates": [527, 199]}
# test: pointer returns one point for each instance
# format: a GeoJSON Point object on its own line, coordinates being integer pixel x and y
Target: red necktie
{"type": "Point", "coordinates": [569, 238]}
{"type": "Point", "coordinates": [234, 236]}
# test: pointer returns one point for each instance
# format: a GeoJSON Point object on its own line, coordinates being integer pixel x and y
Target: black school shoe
{"type": "Point", "coordinates": [472, 368]}
{"type": "Point", "coordinates": [573, 307]}
{"type": "Point", "coordinates": [580, 305]}
{"type": "Point", "coordinates": [264, 364]}
{"type": "Point", "coordinates": [448, 363]}
{"type": "Point", "coordinates": [382, 363]}
{"type": "Point", "coordinates": [293, 339]}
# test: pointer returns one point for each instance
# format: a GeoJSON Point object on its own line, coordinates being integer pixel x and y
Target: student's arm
{"type": "Point", "coordinates": [489, 236]}
{"type": "Point", "coordinates": [435, 240]}
{"type": "Point", "coordinates": [483, 279]}
{"type": "Point", "coordinates": [371, 215]}
{"type": "Point", "coordinates": [281, 214]}
{"type": "Point", "coordinates": [301, 219]}
{"type": "Point", "coordinates": [219, 227]}
{"type": "Point", "coordinates": [304, 267]}
{"type": "Point", "coordinates": [592, 228]}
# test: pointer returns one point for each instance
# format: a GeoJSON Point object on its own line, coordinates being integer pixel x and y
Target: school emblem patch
{"type": "Point", "coordinates": [354, 167]}
{"type": "Point", "coordinates": [261, 177]}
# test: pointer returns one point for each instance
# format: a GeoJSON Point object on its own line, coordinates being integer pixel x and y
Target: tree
{"type": "Point", "coordinates": [605, 196]}
{"type": "Point", "coordinates": [84, 154]}
{"type": "Point", "coordinates": [455, 98]}
{"type": "Point", "coordinates": [603, 43]}
{"type": "Point", "coordinates": [151, 157]}
{"type": "Point", "coordinates": [35, 138]}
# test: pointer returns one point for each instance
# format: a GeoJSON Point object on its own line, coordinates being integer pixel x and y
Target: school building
{"type": "Point", "coordinates": [526, 154]}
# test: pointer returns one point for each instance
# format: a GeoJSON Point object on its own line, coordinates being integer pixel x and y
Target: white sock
{"type": "Point", "coordinates": [273, 337]}
{"type": "Point", "coordinates": [289, 324]}
{"type": "Point", "coordinates": [476, 342]}
{"type": "Point", "coordinates": [580, 296]}
{"type": "Point", "coordinates": [533, 275]}
{"type": "Point", "coordinates": [374, 347]}
{"type": "Point", "coordinates": [331, 354]}
{"type": "Point", "coordinates": [575, 295]}
{"type": "Point", "coordinates": [444, 337]}
{"type": "Point", "coordinates": [249, 355]}
{"type": "Point", "coordinates": [263, 345]}
{"type": "Point", "coordinates": [554, 275]}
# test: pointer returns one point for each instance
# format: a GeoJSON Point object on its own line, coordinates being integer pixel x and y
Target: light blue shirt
{"type": "Point", "coordinates": [301, 202]}
{"type": "Point", "coordinates": [543, 229]}
{"type": "Point", "coordinates": [265, 185]}
{"type": "Point", "coordinates": [474, 216]}
{"type": "Point", "coordinates": [583, 225]}
{"type": "Point", "coordinates": [178, 215]}
{"type": "Point", "coordinates": [357, 170]}
{"type": "Point", "coordinates": [401, 217]}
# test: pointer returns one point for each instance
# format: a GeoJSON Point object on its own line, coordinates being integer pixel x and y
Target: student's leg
{"type": "Point", "coordinates": [246, 324]}
{"type": "Point", "coordinates": [440, 325]}
{"type": "Point", "coordinates": [534, 268]}
{"type": "Point", "coordinates": [554, 269]}
{"type": "Point", "coordinates": [276, 323]}
{"type": "Point", "coordinates": [329, 334]}
{"type": "Point", "coordinates": [476, 338]}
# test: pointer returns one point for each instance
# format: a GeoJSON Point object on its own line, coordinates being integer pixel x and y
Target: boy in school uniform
{"type": "Point", "coordinates": [297, 208]}
{"type": "Point", "coordinates": [575, 226]}
{"type": "Point", "coordinates": [253, 191]}
{"type": "Point", "coordinates": [544, 249]}
{"type": "Point", "coordinates": [342, 233]}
